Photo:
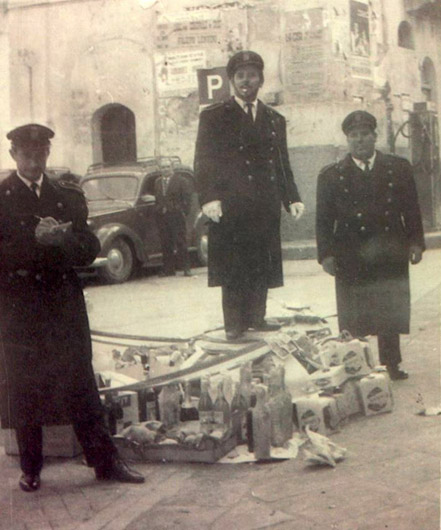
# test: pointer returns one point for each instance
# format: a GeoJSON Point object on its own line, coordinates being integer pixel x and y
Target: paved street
{"type": "Point", "coordinates": [390, 478]}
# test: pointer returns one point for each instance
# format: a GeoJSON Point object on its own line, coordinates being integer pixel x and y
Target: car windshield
{"type": "Point", "coordinates": [117, 188]}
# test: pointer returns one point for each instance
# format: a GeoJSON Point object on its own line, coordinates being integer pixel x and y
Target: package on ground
{"type": "Point", "coordinates": [318, 412]}
{"type": "Point", "coordinates": [355, 355]}
{"type": "Point", "coordinates": [58, 440]}
{"type": "Point", "coordinates": [349, 402]}
{"type": "Point", "coordinates": [375, 393]}
{"type": "Point", "coordinates": [328, 378]}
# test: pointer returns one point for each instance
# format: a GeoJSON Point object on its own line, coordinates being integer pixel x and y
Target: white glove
{"type": "Point", "coordinates": [297, 209]}
{"type": "Point", "coordinates": [213, 210]}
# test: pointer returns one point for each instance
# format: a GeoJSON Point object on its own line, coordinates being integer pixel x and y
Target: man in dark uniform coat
{"type": "Point", "coordinates": [46, 375]}
{"type": "Point", "coordinates": [173, 201]}
{"type": "Point", "coordinates": [243, 175]}
{"type": "Point", "coordinates": [368, 229]}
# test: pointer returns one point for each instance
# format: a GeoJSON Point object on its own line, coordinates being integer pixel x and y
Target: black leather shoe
{"type": "Point", "coordinates": [118, 470]}
{"type": "Point", "coordinates": [29, 482]}
{"type": "Point", "coordinates": [266, 326]}
{"type": "Point", "coordinates": [233, 334]}
{"type": "Point", "coordinates": [396, 374]}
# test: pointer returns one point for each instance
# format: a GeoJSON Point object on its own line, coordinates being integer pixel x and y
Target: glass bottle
{"type": "Point", "coordinates": [239, 415]}
{"type": "Point", "coordinates": [288, 424]}
{"type": "Point", "coordinates": [169, 405]}
{"type": "Point", "coordinates": [276, 407]}
{"type": "Point", "coordinates": [222, 413]}
{"type": "Point", "coordinates": [261, 419]}
{"type": "Point", "coordinates": [205, 407]}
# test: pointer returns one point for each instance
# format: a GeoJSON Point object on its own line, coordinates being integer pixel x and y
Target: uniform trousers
{"type": "Point", "coordinates": [243, 307]}
{"type": "Point", "coordinates": [93, 435]}
{"type": "Point", "coordinates": [389, 349]}
{"type": "Point", "coordinates": [173, 234]}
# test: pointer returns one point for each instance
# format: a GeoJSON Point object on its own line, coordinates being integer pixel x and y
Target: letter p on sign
{"type": "Point", "coordinates": [213, 85]}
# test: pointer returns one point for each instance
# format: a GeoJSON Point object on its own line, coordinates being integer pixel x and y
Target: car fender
{"type": "Point", "coordinates": [108, 233]}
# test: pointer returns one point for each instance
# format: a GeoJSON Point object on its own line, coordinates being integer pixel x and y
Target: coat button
{"type": "Point", "coordinates": [341, 177]}
{"type": "Point", "coordinates": [390, 185]}
{"type": "Point", "coordinates": [270, 161]}
{"type": "Point", "coordinates": [346, 190]}
{"type": "Point", "coordinates": [386, 213]}
{"type": "Point", "coordinates": [60, 205]}
{"type": "Point", "coordinates": [359, 214]}
{"type": "Point", "coordinates": [8, 192]}
{"type": "Point", "coordinates": [389, 200]}
{"type": "Point", "coordinates": [64, 276]}
{"type": "Point", "coordinates": [346, 225]}
{"type": "Point", "coordinates": [273, 133]}
{"type": "Point", "coordinates": [22, 223]}
{"type": "Point", "coordinates": [387, 228]}
{"type": "Point", "coordinates": [355, 203]}
{"type": "Point", "coordinates": [38, 277]}
{"type": "Point", "coordinates": [240, 147]}
{"type": "Point", "coordinates": [273, 178]}
{"type": "Point", "coordinates": [362, 228]}
{"type": "Point", "coordinates": [271, 148]}
{"type": "Point", "coordinates": [247, 162]}
{"type": "Point", "coordinates": [250, 177]}
{"type": "Point", "coordinates": [389, 172]}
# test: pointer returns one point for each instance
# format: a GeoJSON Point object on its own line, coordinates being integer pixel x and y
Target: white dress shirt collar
{"type": "Point", "coordinates": [28, 182]}
{"type": "Point", "coordinates": [361, 163]}
{"type": "Point", "coordinates": [243, 104]}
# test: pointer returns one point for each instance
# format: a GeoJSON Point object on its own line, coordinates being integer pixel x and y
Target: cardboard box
{"type": "Point", "coordinates": [319, 412]}
{"type": "Point", "coordinates": [328, 378]}
{"type": "Point", "coordinates": [355, 355]}
{"type": "Point", "coordinates": [58, 440]}
{"type": "Point", "coordinates": [375, 393]}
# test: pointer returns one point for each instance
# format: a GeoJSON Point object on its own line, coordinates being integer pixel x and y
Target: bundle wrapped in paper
{"type": "Point", "coordinates": [322, 451]}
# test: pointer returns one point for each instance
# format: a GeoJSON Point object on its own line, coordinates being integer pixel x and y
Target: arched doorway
{"type": "Point", "coordinates": [114, 134]}
{"type": "Point", "coordinates": [428, 80]}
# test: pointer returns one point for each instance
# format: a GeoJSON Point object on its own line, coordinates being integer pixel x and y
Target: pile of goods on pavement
{"type": "Point", "coordinates": [198, 400]}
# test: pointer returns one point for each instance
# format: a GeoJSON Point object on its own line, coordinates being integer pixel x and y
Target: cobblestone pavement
{"type": "Point", "coordinates": [389, 480]}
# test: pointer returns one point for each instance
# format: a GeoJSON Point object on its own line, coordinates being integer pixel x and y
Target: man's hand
{"type": "Point", "coordinates": [49, 232]}
{"type": "Point", "coordinates": [328, 265]}
{"type": "Point", "coordinates": [415, 254]}
{"type": "Point", "coordinates": [213, 210]}
{"type": "Point", "coordinates": [297, 209]}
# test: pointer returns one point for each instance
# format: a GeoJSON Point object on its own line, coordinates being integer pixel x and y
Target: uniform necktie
{"type": "Point", "coordinates": [164, 184]}
{"type": "Point", "coordinates": [249, 112]}
{"type": "Point", "coordinates": [34, 188]}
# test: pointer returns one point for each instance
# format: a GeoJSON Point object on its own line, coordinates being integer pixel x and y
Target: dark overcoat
{"type": "Point", "coordinates": [245, 166]}
{"type": "Point", "coordinates": [46, 374]}
{"type": "Point", "coordinates": [177, 196]}
{"type": "Point", "coordinates": [368, 223]}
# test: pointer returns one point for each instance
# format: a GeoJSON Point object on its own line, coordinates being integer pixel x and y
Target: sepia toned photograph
{"type": "Point", "coordinates": [220, 249]}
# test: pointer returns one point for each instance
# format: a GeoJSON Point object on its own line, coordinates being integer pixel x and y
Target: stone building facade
{"type": "Point", "coordinates": [117, 79]}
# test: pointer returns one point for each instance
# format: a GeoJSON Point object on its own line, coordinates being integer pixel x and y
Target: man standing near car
{"type": "Point", "coordinates": [243, 175]}
{"type": "Point", "coordinates": [173, 202]}
{"type": "Point", "coordinates": [368, 229]}
{"type": "Point", "coordinates": [46, 375]}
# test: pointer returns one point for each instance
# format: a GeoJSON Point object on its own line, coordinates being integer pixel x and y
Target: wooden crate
{"type": "Point", "coordinates": [173, 453]}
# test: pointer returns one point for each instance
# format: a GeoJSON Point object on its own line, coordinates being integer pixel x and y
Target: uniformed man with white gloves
{"type": "Point", "coordinates": [368, 229]}
{"type": "Point", "coordinates": [243, 176]}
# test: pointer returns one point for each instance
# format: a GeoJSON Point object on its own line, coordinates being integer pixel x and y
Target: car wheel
{"type": "Point", "coordinates": [120, 262]}
{"type": "Point", "coordinates": [202, 245]}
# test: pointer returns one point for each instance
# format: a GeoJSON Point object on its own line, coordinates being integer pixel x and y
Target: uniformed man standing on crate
{"type": "Point", "coordinates": [243, 176]}
{"type": "Point", "coordinates": [368, 229]}
{"type": "Point", "coordinates": [46, 375]}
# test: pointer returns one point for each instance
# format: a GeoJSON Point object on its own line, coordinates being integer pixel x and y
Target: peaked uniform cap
{"type": "Point", "coordinates": [359, 118]}
{"type": "Point", "coordinates": [31, 135]}
{"type": "Point", "coordinates": [244, 58]}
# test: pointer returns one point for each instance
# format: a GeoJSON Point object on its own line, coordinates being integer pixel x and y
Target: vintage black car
{"type": "Point", "coordinates": [122, 215]}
